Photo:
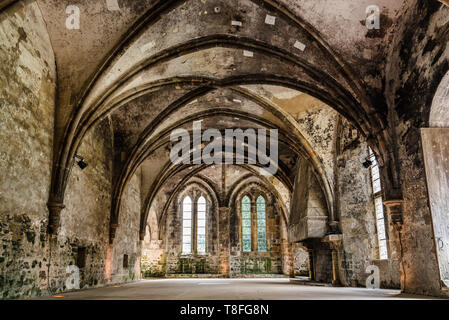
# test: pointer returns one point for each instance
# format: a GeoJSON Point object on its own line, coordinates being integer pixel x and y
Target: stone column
{"type": "Point", "coordinates": [394, 213]}
{"type": "Point", "coordinates": [393, 226]}
{"type": "Point", "coordinates": [334, 241]}
{"type": "Point", "coordinates": [311, 265]}
{"type": "Point", "coordinates": [224, 250]}
{"type": "Point", "coordinates": [291, 260]}
{"type": "Point", "coordinates": [253, 226]}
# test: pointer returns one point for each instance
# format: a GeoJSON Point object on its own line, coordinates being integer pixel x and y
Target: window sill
{"type": "Point", "coordinates": [253, 252]}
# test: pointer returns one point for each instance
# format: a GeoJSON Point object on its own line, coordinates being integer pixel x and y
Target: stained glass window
{"type": "Point", "coordinates": [201, 226]}
{"type": "Point", "coordinates": [261, 225]}
{"type": "Point", "coordinates": [246, 224]}
{"type": "Point", "coordinates": [187, 225]}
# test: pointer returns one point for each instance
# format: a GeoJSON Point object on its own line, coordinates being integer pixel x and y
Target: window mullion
{"type": "Point", "coordinates": [194, 227]}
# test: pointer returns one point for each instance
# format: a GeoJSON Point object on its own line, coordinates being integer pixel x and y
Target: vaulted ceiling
{"type": "Point", "coordinates": [153, 66]}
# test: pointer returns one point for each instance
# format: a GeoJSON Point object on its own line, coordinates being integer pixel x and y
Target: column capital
{"type": "Point", "coordinates": [112, 232]}
{"type": "Point", "coordinates": [334, 240]}
{"type": "Point", "coordinates": [55, 209]}
{"type": "Point", "coordinates": [334, 226]}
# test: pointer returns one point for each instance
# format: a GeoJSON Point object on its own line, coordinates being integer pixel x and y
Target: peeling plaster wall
{"type": "Point", "coordinates": [27, 91]}
{"type": "Point", "coordinates": [356, 209]}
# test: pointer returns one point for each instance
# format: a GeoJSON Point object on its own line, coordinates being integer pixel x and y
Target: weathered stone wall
{"type": "Point", "coordinates": [27, 91]}
{"type": "Point", "coordinates": [31, 262]}
{"type": "Point", "coordinates": [309, 214]}
{"type": "Point", "coordinates": [85, 220]}
{"type": "Point", "coordinates": [301, 261]}
{"type": "Point", "coordinates": [179, 263]}
{"type": "Point", "coordinates": [356, 209]}
{"type": "Point", "coordinates": [127, 240]}
{"type": "Point", "coordinates": [153, 252]}
{"type": "Point", "coordinates": [416, 67]}
{"type": "Point", "coordinates": [224, 256]}
{"type": "Point", "coordinates": [255, 262]}
{"type": "Point", "coordinates": [322, 262]}
{"type": "Point", "coordinates": [153, 258]}
{"type": "Point", "coordinates": [390, 277]}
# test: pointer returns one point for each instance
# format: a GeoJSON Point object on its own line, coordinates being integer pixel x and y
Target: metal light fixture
{"type": "Point", "coordinates": [81, 163]}
{"type": "Point", "coordinates": [368, 162]}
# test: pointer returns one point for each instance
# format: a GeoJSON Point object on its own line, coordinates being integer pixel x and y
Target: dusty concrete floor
{"type": "Point", "coordinates": [228, 289]}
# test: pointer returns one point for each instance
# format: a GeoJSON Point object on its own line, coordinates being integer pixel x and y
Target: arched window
{"type": "Point", "coordinates": [187, 225]}
{"type": "Point", "coordinates": [261, 225]}
{"type": "Point", "coordinates": [246, 224]}
{"type": "Point", "coordinates": [379, 207]}
{"type": "Point", "coordinates": [201, 226]}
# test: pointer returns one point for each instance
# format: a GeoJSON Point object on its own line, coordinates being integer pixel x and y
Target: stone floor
{"type": "Point", "coordinates": [228, 289]}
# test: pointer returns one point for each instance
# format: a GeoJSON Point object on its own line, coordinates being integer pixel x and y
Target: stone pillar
{"type": "Point", "coordinates": [54, 217]}
{"type": "Point", "coordinates": [335, 241]}
{"type": "Point", "coordinates": [108, 263]}
{"type": "Point", "coordinates": [311, 265]}
{"type": "Point", "coordinates": [291, 260]}
{"type": "Point", "coordinates": [394, 213]}
{"type": "Point", "coordinates": [253, 227]}
{"type": "Point", "coordinates": [224, 249]}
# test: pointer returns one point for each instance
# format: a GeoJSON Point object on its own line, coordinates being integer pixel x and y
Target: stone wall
{"type": "Point", "coordinates": [416, 68]}
{"type": "Point", "coordinates": [255, 262]}
{"type": "Point", "coordinates": [301, 261]}
{"type": "Point", "coordinates": [389, 273]}
{"type": "Point", "coordinates": [153, 258]}
{"type": "Point", "coordinates": [27, 93]}
{"type": "Point", "coordinates": [356, 209]}
{"type": "Point", "coordinates": [127, 240]}
{"type": "Point", "coordinates": [177, 261]}
{"type": "Point", "coordinates": [309, 214]}
{"type": "Point", "coordinates": [224, 256]}
{"type": "Point", "coordinates": [84, 222]}
{"type": "Point", "coordinates": [31, 262]}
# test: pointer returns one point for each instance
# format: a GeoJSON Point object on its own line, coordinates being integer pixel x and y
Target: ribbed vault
{"type": "Point", "coordinates": [155, 74]}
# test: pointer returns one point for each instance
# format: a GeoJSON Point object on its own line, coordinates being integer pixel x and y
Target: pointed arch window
{"type": "Point", "coordinates": [201, 226]}
{"type": "Point", "coordinates": [187, 225]}
{"type": "Point", "coordinates": [246, 224]}
{"type": "Point", "coordinates": [261, 225]}
{"type": "Point", "coordinates": [379, 208]}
